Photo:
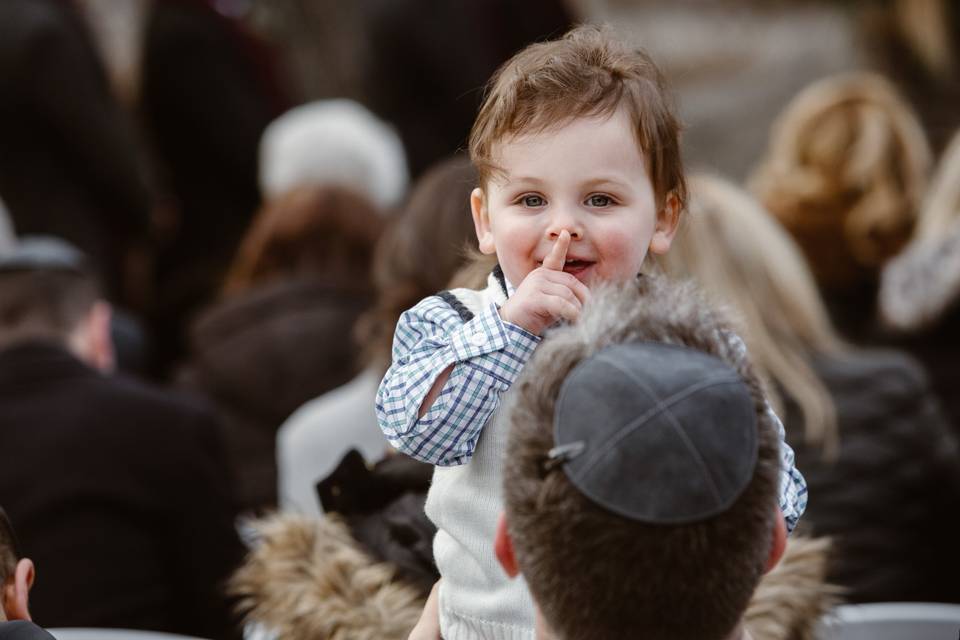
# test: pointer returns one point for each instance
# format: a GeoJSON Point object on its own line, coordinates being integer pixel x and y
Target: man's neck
{"type": "Point", "coordinates": [543, 632]}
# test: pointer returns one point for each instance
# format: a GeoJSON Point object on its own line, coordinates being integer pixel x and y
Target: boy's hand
{"type": "Point", "coordinates": [547, 294]}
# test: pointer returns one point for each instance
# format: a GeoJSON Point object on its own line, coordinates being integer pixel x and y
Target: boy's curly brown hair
{"type": "Point", "coordinates": [587, 73]}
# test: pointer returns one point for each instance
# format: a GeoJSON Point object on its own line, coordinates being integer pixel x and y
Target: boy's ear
{"type": "Point", "coordinates": [16, 591]}
{"type": "Point", "coordinates": [668, 220]}
{"type": "Point", "coordinates": [779, 544]}
{"type": "Point", "coordinates": [503, 548]}
{"type": "Point", "coordinates": [481, 221]}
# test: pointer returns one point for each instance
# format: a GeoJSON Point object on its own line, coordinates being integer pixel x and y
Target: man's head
{"type": "Point", "coordinates": [577, 134]}
{"type": "Point", "coordinates": [48, 292]}
{"type": "Point", "coordinates": [641, 484]}
{"type": "Point", "coordinates": [16, 575]}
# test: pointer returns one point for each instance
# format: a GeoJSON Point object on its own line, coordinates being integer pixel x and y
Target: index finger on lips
{"type": "Point", "coordinates": [558, 254]}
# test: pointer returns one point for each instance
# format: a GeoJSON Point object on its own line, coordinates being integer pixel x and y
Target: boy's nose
{"type": "Point", "coordinates": [561, 221]}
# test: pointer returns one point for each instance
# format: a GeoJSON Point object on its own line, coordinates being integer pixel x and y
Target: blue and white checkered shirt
{"type": "Point", "coordinates": [488, 355]}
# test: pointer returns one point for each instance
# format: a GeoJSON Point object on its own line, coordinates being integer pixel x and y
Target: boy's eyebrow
{"type": "Point", "coordinates": [599, 182]}
{"type": "Point", "coordinates": [527, 179]}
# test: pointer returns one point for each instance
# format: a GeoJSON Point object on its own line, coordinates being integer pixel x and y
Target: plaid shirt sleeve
{"type": "Point", "coordinates": [793, 488]}
{"type": "Point", "coordinates": [487, 354]}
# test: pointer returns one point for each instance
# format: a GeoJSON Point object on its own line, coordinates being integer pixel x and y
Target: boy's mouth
{"type": "Point", "coordinates": [576, 267]}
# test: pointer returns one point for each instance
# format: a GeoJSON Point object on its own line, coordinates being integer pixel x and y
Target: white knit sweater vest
{"type": "Point", "coordinates": [477, 599]}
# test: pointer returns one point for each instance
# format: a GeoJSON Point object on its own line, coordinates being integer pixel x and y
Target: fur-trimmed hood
{"type": "Point", "coordinates": [308, 579]}
{"type": "Point", "coordinates": [921, 284]}
{"type": "Point", "coordinates": [791, 599]}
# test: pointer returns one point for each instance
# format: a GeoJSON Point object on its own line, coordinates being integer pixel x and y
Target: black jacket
{"type": "Point", "coordinates": [117, 493]}
{"type": "Point", "coordinates": [891, 501]}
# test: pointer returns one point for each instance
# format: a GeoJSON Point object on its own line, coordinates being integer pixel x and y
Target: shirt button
{"type": "Point", "coordinates": [478, 339]}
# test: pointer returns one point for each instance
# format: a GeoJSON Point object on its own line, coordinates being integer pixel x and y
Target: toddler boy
{"type": "Point", "coordinates": [580, 175]}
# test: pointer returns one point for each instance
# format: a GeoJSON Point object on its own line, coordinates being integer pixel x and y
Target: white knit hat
{"type": "Point", "coordinates": [333, 142]}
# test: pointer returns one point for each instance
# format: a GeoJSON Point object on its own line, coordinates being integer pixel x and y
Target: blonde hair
{"type": "Point", "coordinates": [744, 259]}
{"type": "Point", "coordinates": [941, 209]}
{"type": "Point", "coordinates": [845, 171]}
{"type": "Point", "coordinates": [586, 73]}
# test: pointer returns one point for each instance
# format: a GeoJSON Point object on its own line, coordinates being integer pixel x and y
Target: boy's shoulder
{"type": "Point", "coordinates": [463, 301]}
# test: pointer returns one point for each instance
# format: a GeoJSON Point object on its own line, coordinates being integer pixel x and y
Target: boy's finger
{"type": "Point", "coordinates": [570, 281]}
{"type": "Point", "coordinates": [558, 254]}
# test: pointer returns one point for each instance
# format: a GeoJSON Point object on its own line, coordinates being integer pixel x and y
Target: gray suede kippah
{"type": "Point", "coordinates": [39, 253]}
{"type": "Point", "coordinates": [657, 433]}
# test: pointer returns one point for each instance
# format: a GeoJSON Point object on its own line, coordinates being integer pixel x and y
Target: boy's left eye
{"type": "Point", "coordinates": [599, 200]}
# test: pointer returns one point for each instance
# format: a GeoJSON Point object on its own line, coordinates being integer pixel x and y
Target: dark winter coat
{"type": "Point", "coordinates": [262, 354]}
{"type": "Point", "coordinates": [891, 500]}
{"type": "Point", "coordinates": [117, 494]}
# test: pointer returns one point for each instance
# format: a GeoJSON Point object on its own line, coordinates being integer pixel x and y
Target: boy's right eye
{"type": "Point", "coordinates": [532, 200]}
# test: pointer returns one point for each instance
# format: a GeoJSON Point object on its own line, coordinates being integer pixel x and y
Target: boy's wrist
{"type": "Point", "coordinates": [507, 315]}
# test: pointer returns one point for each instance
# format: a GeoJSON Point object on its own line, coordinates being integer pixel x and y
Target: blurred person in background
{"type": "Point", "coordinates": [920, 288]}
{"type": "Point", "coordinates": [865, 428]}
{"type": "Point", "coordinates": [334, 142]}
{"type": "Point", "coordinates": [916, 43]}
{"type": "Point", "coordinates": [117, 489]}
{"type": "Point", "coordinates": [428, 62]}
{"type": "Point", "coordinates": [846, 168]}
{"type": "Point", "coordinates": [207, 90]}
{"type": "Point", "coordinates": [420, 252]}
{"type": "Point", "coordinates": [282, 332]}
{"type": "Point", "coordinates": [68, 164]}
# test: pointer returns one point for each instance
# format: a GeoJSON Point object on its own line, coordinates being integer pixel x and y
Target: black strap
{"type": "Point", "coordinates": [465, 314]}
{"type": "Point", "coordinates": [498, 274]}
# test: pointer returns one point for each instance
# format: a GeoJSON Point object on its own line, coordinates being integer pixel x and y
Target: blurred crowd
{"type": "Point", "coordinates": [201, 271]}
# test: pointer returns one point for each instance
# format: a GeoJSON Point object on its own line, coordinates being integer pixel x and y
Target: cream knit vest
{"type": "Point", "coordinates": [477, 599]}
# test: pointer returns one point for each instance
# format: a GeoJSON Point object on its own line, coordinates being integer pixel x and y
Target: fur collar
{"type": "Point", "coordinates": [307, 579]}
{"type": "Point", "coordinates": [922, 284]}
{"type": "Point", "coordinates": [791, 599]}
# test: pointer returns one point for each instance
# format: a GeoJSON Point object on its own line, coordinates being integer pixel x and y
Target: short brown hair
{"type": "Point", "coordinates": [586, 73]}
{"type": "Point", "coordinates": [596, 574]}
{"type": "Point", "coordinates": [44, 303]}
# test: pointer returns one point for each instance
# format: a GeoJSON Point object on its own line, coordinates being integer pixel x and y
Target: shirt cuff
{"type": "Point", "coordinates": [488, 333]}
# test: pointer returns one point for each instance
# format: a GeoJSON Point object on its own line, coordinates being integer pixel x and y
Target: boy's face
{"type": "Point", "coordinates": [588, 177]}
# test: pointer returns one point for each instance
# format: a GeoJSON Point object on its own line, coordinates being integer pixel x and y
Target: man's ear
{"type": "Point", "coordinates": [481, 221]}
{"type": "Point", "coordinates": [92, 340]}
{"type": "Point", "coordinates": [668, 221]}
{"type": "Point", "coordinates": [779, 543]}
{"type": "Point", "coordinates": [16, 599]}
{"type": "Point", "coordinates": [101, 337]}
{"type": "Point", "coordinates": [503, 548]}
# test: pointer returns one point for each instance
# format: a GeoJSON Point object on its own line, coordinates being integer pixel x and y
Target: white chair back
{"type": "Point", "coordinates": [892, 621]}
{"type": "Point", "coordinates": [90, 633]}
